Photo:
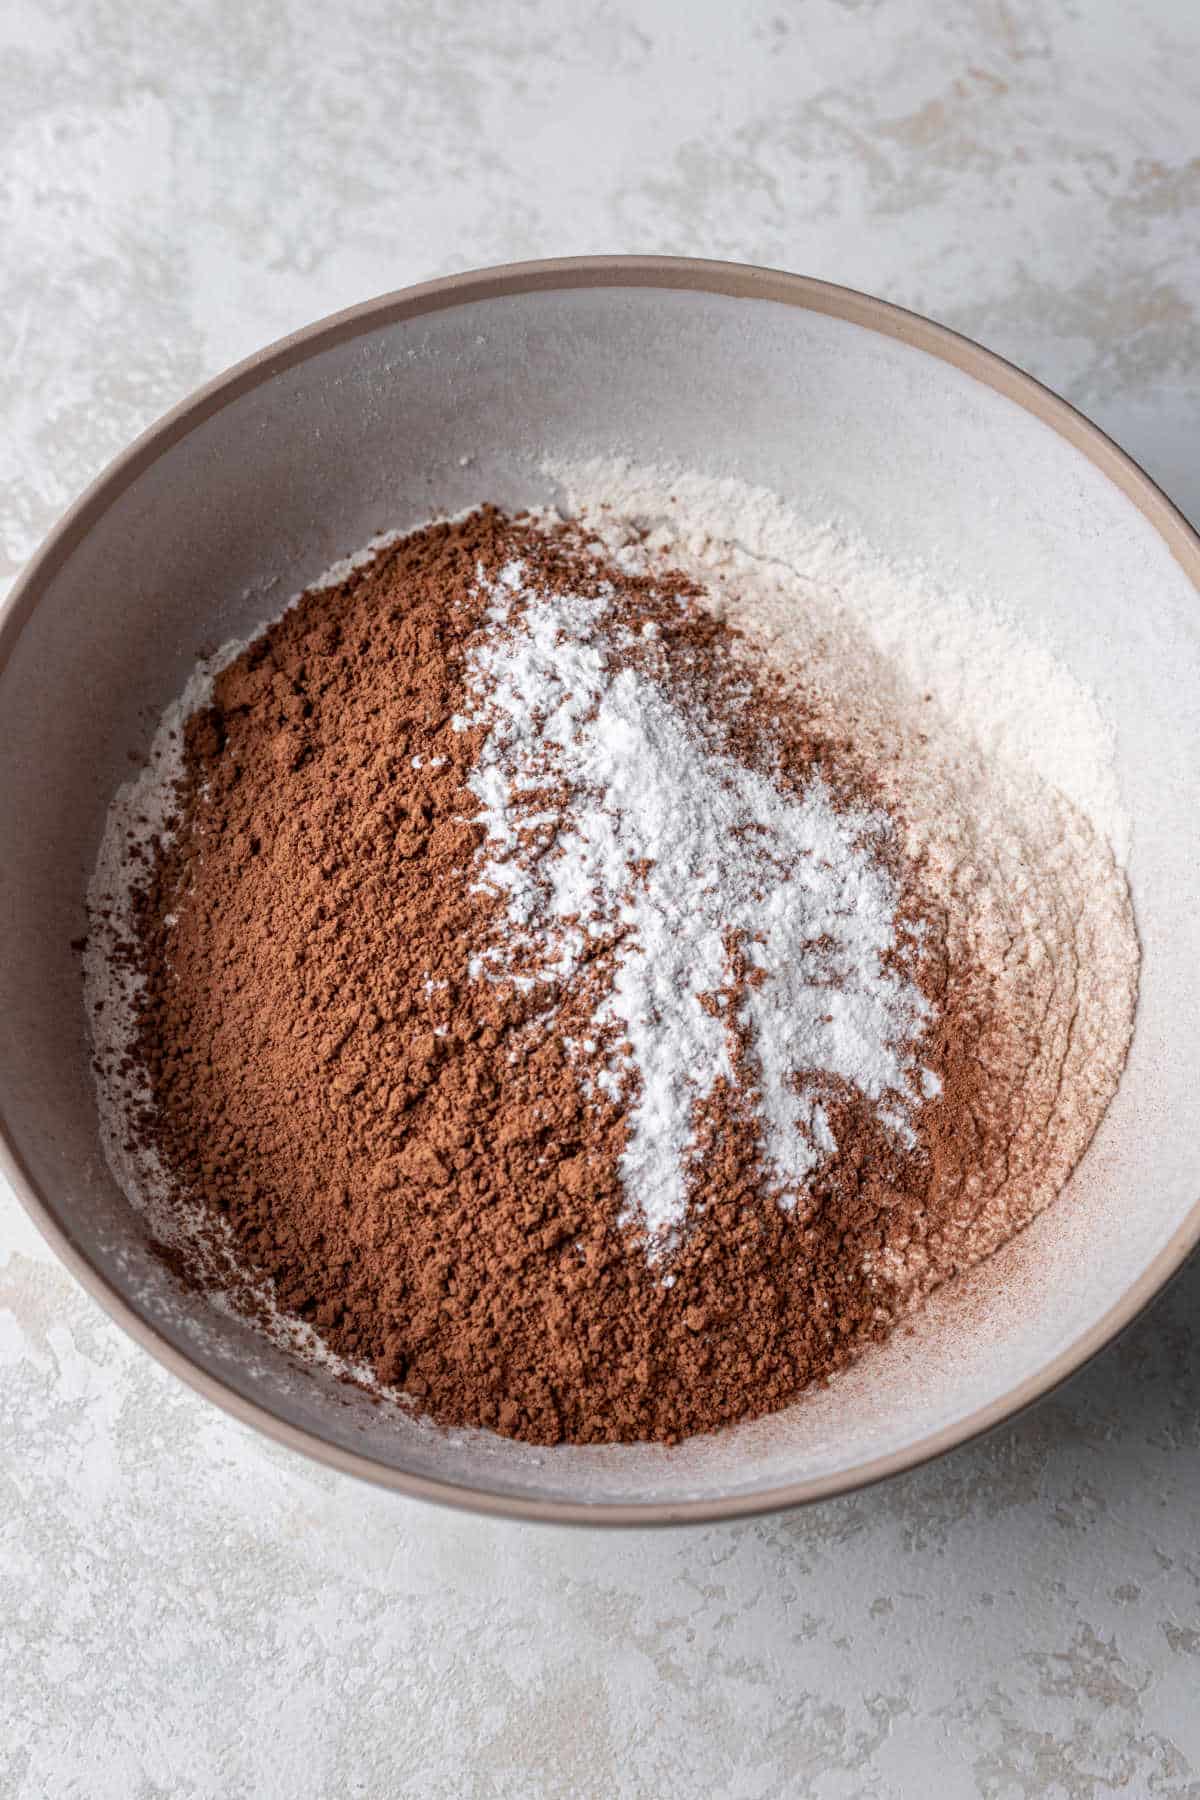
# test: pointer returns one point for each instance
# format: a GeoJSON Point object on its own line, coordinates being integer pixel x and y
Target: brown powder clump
{"type": "Point", "coordinates": [417, 1160]}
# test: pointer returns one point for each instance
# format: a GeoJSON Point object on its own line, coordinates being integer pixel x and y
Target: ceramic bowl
{"type": "Point", "coordinates": [457, 391]}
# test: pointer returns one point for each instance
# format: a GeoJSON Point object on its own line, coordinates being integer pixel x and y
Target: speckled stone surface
{"type": "Point", "coordinates": [185, 1610]}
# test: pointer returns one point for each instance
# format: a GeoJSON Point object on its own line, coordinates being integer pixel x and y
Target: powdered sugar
{"type": "Point", "coordinates": [690, 856]}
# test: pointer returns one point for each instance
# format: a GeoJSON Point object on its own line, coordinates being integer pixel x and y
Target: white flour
{"type": "Point", "coordinates": [725, 853]}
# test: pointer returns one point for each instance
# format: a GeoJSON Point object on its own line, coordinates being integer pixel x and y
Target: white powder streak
{"type": "Point", "coordinates": [729, 859]}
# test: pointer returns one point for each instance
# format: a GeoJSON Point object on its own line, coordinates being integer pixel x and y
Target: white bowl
{"type": "Point", "coordinates": [455, 392]}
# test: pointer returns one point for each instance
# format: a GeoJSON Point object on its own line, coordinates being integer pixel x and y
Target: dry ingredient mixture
{"type": "Point", "coordinates": [588, 989]}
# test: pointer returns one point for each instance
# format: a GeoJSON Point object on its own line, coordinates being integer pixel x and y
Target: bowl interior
{"type": "Point", "coordinates": [243, 499]}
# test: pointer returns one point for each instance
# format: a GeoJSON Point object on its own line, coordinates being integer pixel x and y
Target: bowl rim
{"type": "Point", "coordinates": [740, 281]}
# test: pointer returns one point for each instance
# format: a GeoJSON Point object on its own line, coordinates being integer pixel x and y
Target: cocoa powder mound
{"type": "Point", "coordinates": [416, 1159]}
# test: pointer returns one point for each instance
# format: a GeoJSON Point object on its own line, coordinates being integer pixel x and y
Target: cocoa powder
{"type": "Point", "coordinates": [421, 1162]}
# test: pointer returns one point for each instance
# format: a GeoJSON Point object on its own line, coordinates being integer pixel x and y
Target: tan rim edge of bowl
{"type": "Point", "coordinates": [739, 281]}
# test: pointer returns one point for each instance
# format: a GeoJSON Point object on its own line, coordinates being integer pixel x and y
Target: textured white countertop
{"type": "Point", "coordinates": [185, 1610]}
